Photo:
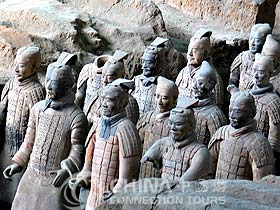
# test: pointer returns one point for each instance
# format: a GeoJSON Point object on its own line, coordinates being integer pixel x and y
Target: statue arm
{"type": "Point", "coordinates": [79, 128]}
{"type": "Point", "coordinates": [80, 95]}
{"type": "Point", "coordinates": [214, 149]}
{"type": "Point", "coordinates": [129, 154]}
{"type": "Point", "coordinates": [199, 167]}
{"type": "Point", "coordinates": [82, 85]}
{"type": "Point", "coordinates": [23, 154]}
{"type": "Point", "coordinates": [260, 172]}
{"type": "Point", "coordinates": [261, 157]}
{"type": "Point", "coordinates": [235, 74]}
{"type": "Point", "coordinates": [274, 125]}
{"type": "Point", "coordinates": [128, 171]}
{"type": "Point", "coordinates": [4, 103]}
{"type": "Point", "coordinates": [154, 153]}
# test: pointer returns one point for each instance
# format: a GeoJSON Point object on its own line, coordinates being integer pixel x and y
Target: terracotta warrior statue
{"type": "Point", "coordinates": [271, 49]}
{"type": "Point", "coordinates": [53, 147]}
{"type": "Point", "coordinates": [17, 99]}
{"type": "Point", "coordinates": [198, 51]}
{"type": "Point", "coordinates": [153, 125]}
{"type": "Point", "coordinates": [238, 150]}
{"type": "Point", "coordinates": [241, 74]}
{"type": "Point", "coordinates": [209, 117]}
{"type": "Point", "coordinates": [113, 149]}
{"type": "Point", "coordinates": [112, 70]}
{"type": "Point", "coordinates": [181, 156]}
{"type": "Point", "coordinates": [267, 104]}
{"type": "Point", "coordinates": [145, 84]}
{"type": "Point", "coordinates": [89, 81]}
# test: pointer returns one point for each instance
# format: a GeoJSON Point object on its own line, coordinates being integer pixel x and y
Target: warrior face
{"type": "Point", "coordinates": [262, 67]}
{"type": "Point", "coordinates": [58, 81]}
{"type": "Point", "coordinates": [256, 42]}
{"type": "Point", "coordinates": [148, 62]}
{"type": "Point", "coordinates": [180, 125]}
{"type": "Point", "coordinates": [24, 68]}
{"type": "Point", "coordinates": [196, 53]}
{"type": "Point", "coordinates": [26, 62]}
{"type": "Point", "coordinates": [112, 101]}
{"type": "Point", "coordinates": [200, 87]}
{"type": "Point", "coordinates": [165, 101]}
{"type": "Point", "coordinates": [240, 112]}
{"type": "Point", "coordinates": [261, 75]}
{"type": "Point", "coordinates": [112, 70]}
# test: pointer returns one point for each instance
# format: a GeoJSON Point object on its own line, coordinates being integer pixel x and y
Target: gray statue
{"type": "Point", "coordinates": [241, 73]}
{"type": "Point", "coordinates": [145, 84]}
{"type": "Point", "coordinates": [112, 70]}
{"type": "Point", "coordinates": [153, 125]}
{"type": "Point", "coordinates": [209, 117]}
{"type": "Point", "coordinates": [113, 148]}
{"type": "Point", "coordinates": [267, 104]}
{"type": "Point", "coordinates": [53, 147]}
{"type": "Point", "coordinates": [198, 51]}
{"type": "Point", "coordinates": [17, 99]}
{"type": "Point", "coordinates": [181, 156]}
{"type": "Point", "coordinates": [238, 150]}
{"type": "Point", "coordinates": [89, 81]}
{"type": "Point", "coordinates": [271, 49]}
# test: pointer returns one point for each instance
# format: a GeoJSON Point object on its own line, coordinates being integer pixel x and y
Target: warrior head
{"type": "Point", "coordinates": [114, 67]}
{"type": "Point", "coordinates": [150, 59]}
{"type": "Point", "coordinates": [263, 67]}
{"type": "Point", "coordinates": [166, 94]}
{"type": "Point", "coordinates": [257, 37]}
{"type": "Point", "coordinates": [181, 120]}
{"type": "Point", "coordinates": [204, 81]}
{"type": "Point", "coordinates": [199, 47]}
{"type": "Point", "coordinates": [59, 80]}
{"type": "Point", "coordinates": [242, 109]}
{"type": "Point", "coordinates": [27, 62]}
{"type": "Point", "coordinates": [271, 49]}
{"type": "Point", "coordinates": [115, 97]}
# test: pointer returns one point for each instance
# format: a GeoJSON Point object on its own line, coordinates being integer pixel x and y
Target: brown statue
{"type": "Point", "coordinates": [209, 117]}
{"type": "Point", "coordinates": [89, 81]}
{"type": "Point", "coordinates": [153, 125]}
{"type": "Point", "coordinates": [198, 51]}
{"type": "Point", "coordinates": [145, 84]}
{"type": "Point", "coordinates": [241, 74]}
{"type": "Point", "coordinates": [17, 99]}
{"type": "Point", "coordinates": [113, 149]}
{"type": "Point", "coordinates": [53, 147]}
{"type": "Point", "coordinates": [112, 70]}
{"type": "Point", "coordinates": [238, 150]}
{"type": "Point", "coordinates": [271, 49]}
{"type": "Point", "coordinates": [267, 104]}
{"type": "Point", "coordinates": [180, 154]}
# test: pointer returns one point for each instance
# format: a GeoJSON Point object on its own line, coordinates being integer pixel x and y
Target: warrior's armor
{"type": "Point", "coordinates": [89, 81]}
{"type": "Point", "coordinates": [175, 157]}
{"type": "Point", "coordinates": [184, 83]}
{"type": "Point", "coordinates": [54, 140]}
{"type": "Point", "coordinates": [240, 153]}
{"type": "Point", "coordinates": [151, 126]}
{"type": "Point", "coordinates": [17, 100]}
{"type": "Point", "coordinates": [209, 117]}
{"type": "Point", "coordinates": [268, 115]}
{"type": "Point", "coordinates": [114, 139]}
{"type": "Point", "coordinates": [145, 94]}
{"type": "Point", "coordinates": [275, 80]}
{"type": "Point", "coordinates": [241, 73]}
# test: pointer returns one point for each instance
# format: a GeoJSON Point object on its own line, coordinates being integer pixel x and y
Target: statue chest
{"type": "Point", "coordinates": [105, 161]}
{"type": "Point", "coordinates": [52, 142]}
{"type": "Point", "coordinates": [233, 161]}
